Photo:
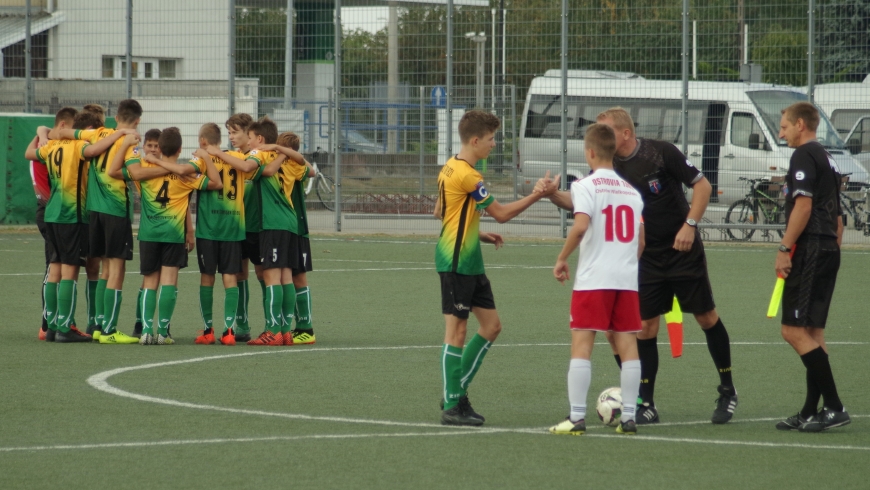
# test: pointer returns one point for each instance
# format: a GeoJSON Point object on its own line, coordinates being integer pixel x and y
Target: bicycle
{"type": "Point", "coordinates": [322, 183]}
{"type": "Point", "coordinates": [855, 207]}
{"type": "Point", "coordinates": [762, 204]}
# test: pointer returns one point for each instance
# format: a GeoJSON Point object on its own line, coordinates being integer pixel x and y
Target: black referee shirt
{"type": "Point", "coordinates": [657, 169]}
{"type": "Point", "coordinates": [813, 173]}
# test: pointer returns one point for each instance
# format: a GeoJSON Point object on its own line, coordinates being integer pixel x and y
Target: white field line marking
{"type": "Point", "coordinates": [100, 382]}
{"type": "Point", "coordinates": [445, 433]}
{"type": "Point", "coordinates": [184, 442]}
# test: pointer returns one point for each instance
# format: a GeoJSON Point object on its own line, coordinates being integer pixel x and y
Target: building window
{"type": "Point", "coordinates": [148, 68]}
{"type": "Point", "coordinates": [167, 69]}
{"type": "Point", "coordinates": [13, 57]}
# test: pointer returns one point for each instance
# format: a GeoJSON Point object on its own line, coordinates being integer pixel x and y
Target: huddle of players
{"type": "Point", "coordinates": [639, 247]}
{"type": "Point", "coordinates": [250, 207]}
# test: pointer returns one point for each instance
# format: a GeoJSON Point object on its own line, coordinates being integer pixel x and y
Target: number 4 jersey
{"type": "Point", "coordinates": [608, 251]}
{"type": "Point", "coordinates": [164, 206]}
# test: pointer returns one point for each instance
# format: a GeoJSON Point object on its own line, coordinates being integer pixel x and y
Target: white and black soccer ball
{"type": "Point", "coordinates": [610, 406]}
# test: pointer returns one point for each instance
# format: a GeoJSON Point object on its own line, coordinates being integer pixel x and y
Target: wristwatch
{"type": "Point", "coordinates": [783, 248]}
{"type": "Point", "coordinates": [692, 223]}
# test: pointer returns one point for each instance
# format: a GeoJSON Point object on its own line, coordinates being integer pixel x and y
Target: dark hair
{"type": "Point", "coordinates": [239, 121]}
{"type": "Point", "coordinates": [265, 128]}
{"type": "Point", "coordinates": [477, 123]}
{"type": "Point", "coordinates": [66, 114]}
{"type": "Point", "coordinates": [169, 141]}
{"type": "Point", "coordinates": [289, 139]}
{"type": "Point", "coordinates": [128, 111]}
{"type": "Point", "coordinates": [86, 120]}
{"type": "Point", "coordinates": [601, 138]}
{"type": "Point", "coordinates": [805, 111]}
{"type": "Point", "coordinates": [211, 133]}
{"type": "Point", "coordinates": [152, 135]}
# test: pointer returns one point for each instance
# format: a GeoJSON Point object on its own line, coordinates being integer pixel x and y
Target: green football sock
{"type": "Point", "coordinates": [242, 307]}
{"type": "Point", "coordinates": [50, 293]}
{"type": "Point", "coordinates": [303, 308]}
{"type": "Point", "coordinates": [451, 370]}
{"type": "Point", "coordinates": [288, 306]}
{"type": "Point", "coordinates": [91, 298]}
{"type": "Point", "coordinates": [100, 303]}
{"type": "Point", "coordinates": [472, 357]}
{"type": "Point", "coordinates": [272, 305]}
{"type": "Point", "coordinates": [111, 309]}
{"type": "Point", "coordinates": [206, 305]}
{"type": "Point", "coordinates": [66, 304]}
{"type": "Point", "coordinates": [263, 287]}
{"type": "Point", "coordinates": [139, 307]}
{"type": "Point", "coordinates": [148, 304]}
{"type": "Point", "coordinates": [165, 307]}
{"type": "Point", "coordinates": [231, 303]}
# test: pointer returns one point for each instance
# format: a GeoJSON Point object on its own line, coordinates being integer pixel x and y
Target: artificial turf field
{"type": "Point", "coordinates": [360, 408]}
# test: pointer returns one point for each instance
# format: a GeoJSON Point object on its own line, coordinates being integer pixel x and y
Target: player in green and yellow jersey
{"type": "Point", "coordinates": [162, 231]}
{"type": "Point", "coordinates": [237, 128]}
{"type": "Point", "coordinates": [220, 230]}
{"type": "Point", "coordinates": [110, 209]}
{"type": "Point", "coordinates": [304, 331]}
{"type": "Point", "coordinates": [67, 221]}
{"type": "Point", "coordinates": [278, 242]}
{"type": "Point", "coordinates": [462, 198]}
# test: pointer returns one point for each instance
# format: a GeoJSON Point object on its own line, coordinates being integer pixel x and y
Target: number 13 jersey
{"type": "Point", "coordinates": [220, 214]}
{"type": "Point", "coordinates": [608, 251]}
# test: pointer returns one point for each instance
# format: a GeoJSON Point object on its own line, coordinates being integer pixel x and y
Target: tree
{"type": "Point", "coordinates": [844, 41]}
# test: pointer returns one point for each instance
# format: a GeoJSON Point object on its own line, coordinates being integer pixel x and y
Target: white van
{"type": "Point", "coordinates": [848, 107]}
{"type": "Point", "coordinates": [733, 127]}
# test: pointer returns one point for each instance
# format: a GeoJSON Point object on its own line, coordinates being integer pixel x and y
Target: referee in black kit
{"type": "Point", "coordinates": [673, 261]}
{"type": "Point", "coordinates": [813, 233]}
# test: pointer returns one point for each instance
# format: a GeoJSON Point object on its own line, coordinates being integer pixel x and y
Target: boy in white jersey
{"type": "Point", "coordinates": [607, 218]}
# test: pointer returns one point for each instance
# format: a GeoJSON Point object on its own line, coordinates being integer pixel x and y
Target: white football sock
{"type": "Point", "coordinates": [629, 381]}
{"type": "Point", "coordinates": [579, 377]}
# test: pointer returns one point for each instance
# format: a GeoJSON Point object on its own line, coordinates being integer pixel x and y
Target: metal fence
{"type": "Point", "coordinates": [378, 87]}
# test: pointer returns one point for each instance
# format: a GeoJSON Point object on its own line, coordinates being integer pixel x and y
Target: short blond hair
{"type": "Point", "coordinates": [621, 118]}
{"type": "Point", "coordinates": [289, 139]}
{"type": "Point", "coordinates": [211, 133]}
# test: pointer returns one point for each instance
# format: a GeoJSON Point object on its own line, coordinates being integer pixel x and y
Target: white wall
{"type": "Point", "coordinates": [196, 33]}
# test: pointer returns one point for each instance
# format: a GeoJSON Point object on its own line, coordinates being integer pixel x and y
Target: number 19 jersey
{"type": "Point", "coordinates": [608, 251]}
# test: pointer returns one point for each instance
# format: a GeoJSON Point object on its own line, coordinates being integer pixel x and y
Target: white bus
{"type": "Point", "coordinates": [733, 127]}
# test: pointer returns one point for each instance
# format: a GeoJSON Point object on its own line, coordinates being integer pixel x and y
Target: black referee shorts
{"type": "Point", "coordinates": [809, 286]}
{"type": "Point", "coordinates": [667, 273]}
{"type": "Point", "coordinates": [154, 255]}
{"type": "Point", "coordinates": [111, 236]}
{"type": "Point", "coordinates": [460, 293]}
{"type": "Point", "coordinates": [304, 254]}
{"type": "Point", "coordinates": [225, 257]}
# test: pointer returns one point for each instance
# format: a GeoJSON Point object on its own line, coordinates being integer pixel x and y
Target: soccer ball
{"type": "Point", "coordinates": [610, 406]}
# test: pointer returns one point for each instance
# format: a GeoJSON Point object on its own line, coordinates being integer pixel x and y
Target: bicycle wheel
{"type": "Point", "coordinates": [325, 188]}
{"type": "Point", "coordinates": [741, 212]}
{"type": "Point", "coordinates": [310, 184]}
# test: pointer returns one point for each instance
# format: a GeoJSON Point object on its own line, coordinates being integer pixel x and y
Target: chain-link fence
{"type": "Point", "coordinates": [374, 92]}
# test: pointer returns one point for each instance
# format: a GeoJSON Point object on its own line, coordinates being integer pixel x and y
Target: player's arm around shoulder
{"type": "Point", "coordinates": [116, 168]}
{"type": "Point", "coordinates": [214, 177]}
{"type": "Point", "coordinates": [272, 167]}
{"type": "Point", "coordinates": [31, 153]}
{"type": "Point", "coordinates": [245, 165]}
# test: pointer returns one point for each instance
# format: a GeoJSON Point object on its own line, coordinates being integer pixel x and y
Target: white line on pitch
{"type": "Point", "coordinates": [185, 442]}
